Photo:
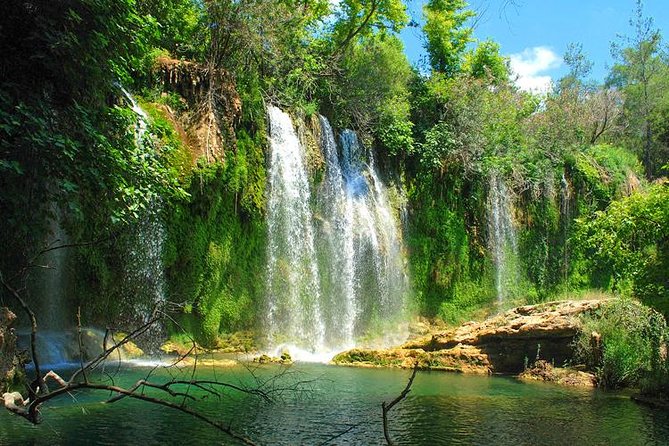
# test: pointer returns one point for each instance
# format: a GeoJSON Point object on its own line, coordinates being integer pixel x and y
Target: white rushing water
{"type": "Point", "coordinates": [502, 240]}
{"type": "Point", "coordinates": [144, 273]}
{"type": "Point", "coordinates": [293, 314]}
{"type": "Point", "coordinates": [335, 264]}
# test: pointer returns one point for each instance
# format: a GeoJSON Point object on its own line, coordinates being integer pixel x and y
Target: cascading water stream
{"type": "Point", "coordinates": [293, 313]}
{"type": "Point", "coordinates": [338, 251]}
{"type": "Point", "coordinates": [52, 281]}
{"type": "Point", "coordinates": [143, 118]}
{"type": "Point", "coordinates": [502, 240]}
{"type": "Point", "coordinates": [377, 234]}
{"type": "Point", "coordinates": [325, 291]}
{"type": "Point", "coordinates": [144, 277]}
{"type": "Point", "coordinates": [565, 218]}
{"type": "Point", "coordinates": [144, 284]}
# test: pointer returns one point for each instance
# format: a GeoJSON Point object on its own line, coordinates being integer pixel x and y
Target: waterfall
{"type": "Point", "coordinates": [338, 272]}
{"type": "Point", "coordinates": [565, 218]}
{"type": "Point", "coordinates": [379, 264]}
{"type": "Point", "coordinates": [144, 276]}
{"type": "Point", "coordinates": [293, 314]}
{"type": "Point", "coordinates": [142, 121]}
{"type": "Point", "coordinates": [339, 254]}
{"type": "Point", "coordinates": [52, 281]}
{"type": "Point", "coordinates": [144, 284]}
{"type": "Point", "coordinates": [502, 240]}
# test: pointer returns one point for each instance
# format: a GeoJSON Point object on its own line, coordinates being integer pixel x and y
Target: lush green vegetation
{"type": "Point", "coordinates": [583, 163]}
{"type": "Point", "coordinates": [623, 344]}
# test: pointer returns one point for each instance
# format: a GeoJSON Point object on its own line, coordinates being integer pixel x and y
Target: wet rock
{"type": "Point", "coordinates": [207, 361]}
{"type": "Point", "coordinates": [285, 358]}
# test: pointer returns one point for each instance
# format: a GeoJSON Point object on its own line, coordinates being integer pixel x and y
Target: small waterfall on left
{"type": "Point", "coordinates": [144, 276]}
{"type": "Point", "coordinates": [48, 292]}
{"type": "Point", "coordinates": [143, 285]}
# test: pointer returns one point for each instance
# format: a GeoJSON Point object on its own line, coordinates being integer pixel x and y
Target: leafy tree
{"type": "Point", "coordinates": [485, 62]}
{"type": "Point", "coordinates": [579, 68]}
{"type": "Point", "coordinates": [641, 74]}
{"type": "Point", "coordinates": [627, 246]}
{"type": "Point", "coordinates": [175, 25]}
{"type": "Point", "coordinates": [360, 18]}
{"type": "Point", "coordinates": [373, 91]}
{"type": "Point", "coordinates": [446, 36]}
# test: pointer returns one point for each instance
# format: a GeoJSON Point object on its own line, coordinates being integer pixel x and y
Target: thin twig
{"type": "Point", "coordinates": [386, 407]}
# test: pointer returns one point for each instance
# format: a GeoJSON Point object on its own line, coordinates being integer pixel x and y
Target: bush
{"type": "Point", "coordinates": [623, 342]}
{"type": "Point", "coordinates": [626, 246]}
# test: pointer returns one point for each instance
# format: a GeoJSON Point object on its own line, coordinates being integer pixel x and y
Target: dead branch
{"type": "Point", "coordinates": [386, 407]}
{"type": "Point", "coordinates": [39, 385]}
{"type": "Point", "coordinates": [30, 408]}
{"type": "Point", "coordinates": [173, 392]}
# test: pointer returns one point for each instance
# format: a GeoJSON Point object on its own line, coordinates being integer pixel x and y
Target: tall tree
{"type": "Point", "coordinates": [357, 18]}
{"type": "Point", "coordinates": [637, 74]}
{"type": "Point", "coordinates": [445, 34]}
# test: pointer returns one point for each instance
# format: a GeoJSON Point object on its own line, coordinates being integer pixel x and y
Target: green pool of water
{"type": "Point", "coordinates": [441, 409]}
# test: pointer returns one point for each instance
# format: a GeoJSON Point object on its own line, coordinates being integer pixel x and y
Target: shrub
{"type": "Point", "coordinates": [623, 343]}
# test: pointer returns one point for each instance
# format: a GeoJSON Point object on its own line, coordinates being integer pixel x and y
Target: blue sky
{"type": "Point", "coordinates": [535, 33]}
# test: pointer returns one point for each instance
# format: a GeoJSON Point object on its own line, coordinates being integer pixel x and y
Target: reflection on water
{"type": "Point", "coordinates": [441, 409]}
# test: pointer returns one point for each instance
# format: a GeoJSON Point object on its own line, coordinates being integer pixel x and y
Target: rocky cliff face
{"type": "Point", "coordinates": [505, 343]}
{"type": "Point", "coordinates": [212, 105]}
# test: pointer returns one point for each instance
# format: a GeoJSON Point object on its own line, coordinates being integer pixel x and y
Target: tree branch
{"type": "Point", "coordinates": [386, 407]}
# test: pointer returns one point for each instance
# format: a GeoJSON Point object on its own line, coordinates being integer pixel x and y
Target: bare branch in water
{"type": "Point", "coordinates": [386, 407]}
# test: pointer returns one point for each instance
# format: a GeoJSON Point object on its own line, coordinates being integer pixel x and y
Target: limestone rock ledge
{"type": "Point", "coordinates": [505, 343]}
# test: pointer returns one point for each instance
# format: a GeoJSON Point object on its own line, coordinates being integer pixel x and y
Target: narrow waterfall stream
{"type": "Point", "coordinates": [144, 284]}
{"type": "Point", "coordinates": [144, 273]}
{"type": "Point", "coordinates": [565, 219]}
{"type": "Point", "coordinates": [502, 239]}
{"type": "Point", "coordinates": [335, 273]}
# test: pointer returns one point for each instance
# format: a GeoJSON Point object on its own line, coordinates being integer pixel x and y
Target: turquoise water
{"type": "Point", "coordinates": [441, 409]}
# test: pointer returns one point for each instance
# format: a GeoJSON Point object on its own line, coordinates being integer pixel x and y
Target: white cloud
{"type": "Point", "coordinates": [531, 65]}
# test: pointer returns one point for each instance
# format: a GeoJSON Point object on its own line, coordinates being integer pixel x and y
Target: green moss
{"type": "Point", "coordinates": [216, 244]}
